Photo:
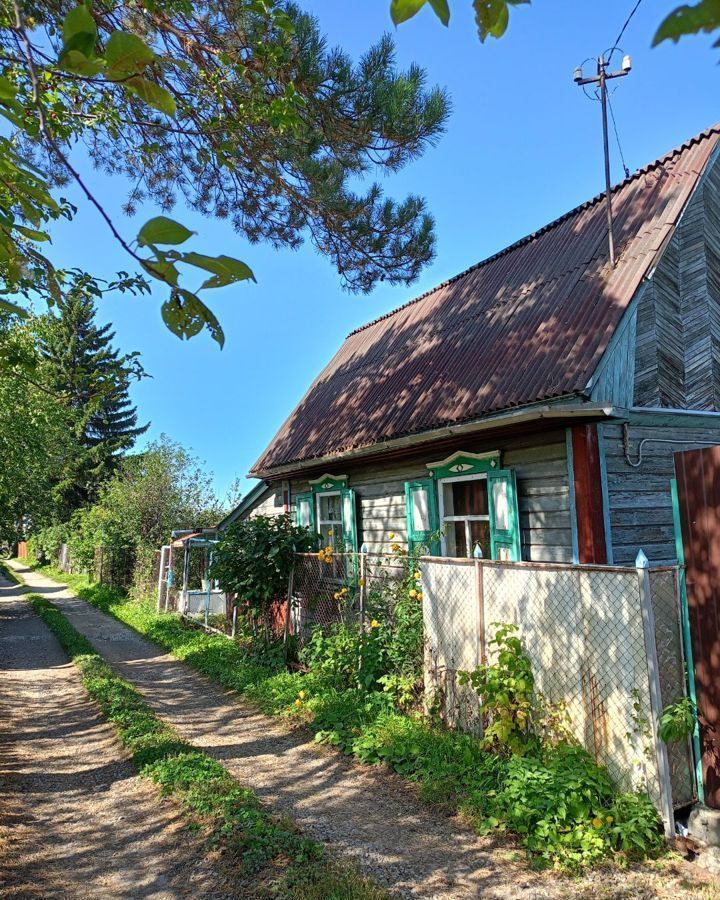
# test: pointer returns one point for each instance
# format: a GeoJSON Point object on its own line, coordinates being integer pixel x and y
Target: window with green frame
{"type": "Point", "coordinates": [471, 503]}
{"type": "Point", "coordinates": [328, 509]}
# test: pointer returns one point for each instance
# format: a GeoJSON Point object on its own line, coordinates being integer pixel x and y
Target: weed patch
{"type": "Point", "coordinates": [562, 808]}
{"type": "Point", "coordinates": [231, 815]}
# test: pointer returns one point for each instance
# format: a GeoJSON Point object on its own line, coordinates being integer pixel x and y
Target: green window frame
{"type": "Point", "coordinates": [308, 508]}
{"type": "Point", "coordinates": [422, 501]}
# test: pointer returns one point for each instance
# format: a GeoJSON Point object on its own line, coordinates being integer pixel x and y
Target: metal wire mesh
{"type": "Point", "coordinates": [583, 630]}
{"type": "Point", "coordinates": [325, 591]}
{"type": "Point", "coordinates": [343, 587]}
{"type": "Point", "coordinates": [665, 594]}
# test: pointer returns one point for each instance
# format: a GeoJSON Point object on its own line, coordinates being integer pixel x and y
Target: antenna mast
{"type": "Point", "coordinates": [601, 79]}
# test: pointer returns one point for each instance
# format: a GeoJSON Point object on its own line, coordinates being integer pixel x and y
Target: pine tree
{"type": "Point", "coordinates": [94, 379]}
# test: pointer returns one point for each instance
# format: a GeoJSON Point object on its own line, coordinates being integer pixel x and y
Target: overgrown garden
{"type": "Point", "coordinates": [359, 687]}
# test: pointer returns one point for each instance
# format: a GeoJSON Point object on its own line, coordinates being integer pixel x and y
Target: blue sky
{"type": "Point", "coordinates": [523, 145]}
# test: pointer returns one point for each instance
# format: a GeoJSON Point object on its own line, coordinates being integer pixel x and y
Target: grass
{"type": "Point", "coordinates": [561, 807]}
{"type": "Point", "coordinates": [281, 862]}
{"type": "Point", "coordinates": [9, 574]}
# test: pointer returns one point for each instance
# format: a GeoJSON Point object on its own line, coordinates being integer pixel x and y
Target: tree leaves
{"type": "Point", "coordinates": [227, 270]}
{"type": "Point", "coordinates": [442, 10]}
{"type": "Point", "coordinates": [402, 10]}
{"type": "Point", "coordinates": [685, 20]}
{"type": "Point", "coordinates": [125, 61]}
{"type": "Point", "coordinates": [126, 54]}
{"type": "Point", "coordinates": [186, 315]}
{"type": "Point", "coordinates": [492, 16]}
{"type": "Point", "coordinates": [162, 230]}
{"type": "Point", "coordinates": [153, 94]}
{"type": "Point", "coordinates": [79, 31]}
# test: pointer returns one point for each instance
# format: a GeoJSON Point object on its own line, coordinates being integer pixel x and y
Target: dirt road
{"type": "Point", "coordinates": [75, 819]}
{"type": "Point", "coordinates": [364, 813]}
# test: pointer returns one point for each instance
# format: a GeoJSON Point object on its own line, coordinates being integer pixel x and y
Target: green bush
{"type": "Point", "coordinates": [232, 815]}
{"type": "Point", "coordinates": [563, 807]}
{"type": "Point", "coordinates": [253, 560]}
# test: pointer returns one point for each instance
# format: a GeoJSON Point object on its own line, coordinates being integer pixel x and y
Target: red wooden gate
{"type": "Point", "coordinates": [698, 482]}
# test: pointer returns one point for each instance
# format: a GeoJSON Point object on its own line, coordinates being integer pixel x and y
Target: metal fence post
{"type": "Point", "coordinates": [648, 619]}
{"type": "Point", "coordinates": [160, 578]}
{"type": "Point", "coordinates": [480, 600]}
{"type": "Point", "coordinates": [363, 555]}
{"type": "Point", "coordinates": [209, 588]}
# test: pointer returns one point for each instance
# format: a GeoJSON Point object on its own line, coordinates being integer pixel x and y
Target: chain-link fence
{"type": "Point", "coordinates": [609, 656]}
{"type": "Point", "coordinates": [604, 642]}
{"type": "Point", "coordinates": [342, 587]}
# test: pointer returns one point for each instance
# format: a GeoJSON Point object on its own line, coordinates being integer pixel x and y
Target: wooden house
{"type": "Point", "coordinates": [529, 406]}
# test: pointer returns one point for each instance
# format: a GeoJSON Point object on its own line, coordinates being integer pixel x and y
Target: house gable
{"type": "Point", "coordinates": [666, 350]}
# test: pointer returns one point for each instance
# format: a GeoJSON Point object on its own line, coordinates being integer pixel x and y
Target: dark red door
{"type": "Point", "coordinates": [698, 481]}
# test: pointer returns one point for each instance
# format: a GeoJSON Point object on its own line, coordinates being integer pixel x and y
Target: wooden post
{"type": "Point", "coordinates": [653, 670]}
{"type": "Point", "coordinates": [169, 578]}
{"type": "Point", "coordinates": [288, 609]}
{"type": "Point", "coordinates": [588, 495]}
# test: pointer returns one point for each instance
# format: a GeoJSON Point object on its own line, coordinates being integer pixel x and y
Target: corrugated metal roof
{"type": "Point", "coordinates": [530, 323]}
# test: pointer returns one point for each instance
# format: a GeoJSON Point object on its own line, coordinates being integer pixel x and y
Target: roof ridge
{"type": "Point", "coordinates": [649, 167]}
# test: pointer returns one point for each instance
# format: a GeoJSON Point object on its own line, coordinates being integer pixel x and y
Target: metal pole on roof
{"type": "Point", "coordinates": [606, 148]}
{"type": "Point", "coordinates": [601, 79]}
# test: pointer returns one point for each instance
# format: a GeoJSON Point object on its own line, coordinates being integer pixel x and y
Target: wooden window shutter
{"type": "Point", "coordinates": [347, 497]}
{"type": "Point", "coordinates": [504, 517]}
{"type": "Point", "coordinates": [422, 515]}
{"type": "Point", "coordinates": [305, 511]}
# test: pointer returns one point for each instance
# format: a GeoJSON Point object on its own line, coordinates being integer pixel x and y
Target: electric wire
{"type": "Point", "coordinates": [622, 30]}
{"type": "Point", "coordinates": [617, 137]}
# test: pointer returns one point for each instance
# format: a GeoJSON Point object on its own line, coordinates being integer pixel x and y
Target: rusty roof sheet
{"type": "Point", "coordinates": [527, 324]}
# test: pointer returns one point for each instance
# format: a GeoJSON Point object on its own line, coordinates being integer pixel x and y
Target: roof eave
{"type": "Point", "coordinates": [557, 411]}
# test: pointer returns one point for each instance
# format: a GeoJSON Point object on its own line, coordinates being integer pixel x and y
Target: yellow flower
{"type": "Point", "coordinates": [609, 820]}
{"type": "Point", "coordinates": [391, 535]}
{"type": "Point", "coordinates": [320, 555]}
{"type": "Point", "coordinates": [336, 596]}
{"type": "Point", "coordinates": [418, 576]}
{"type": "Point", "coordinates": [301, 695]}
{"type": "Point", "coordinates": [298, 702]}
{"type": "Point", "coordinates": [374, 624]}
{"type": "Point", "coordinates": [395, 548]}
{"type": "Point", "coordinates": [597, 822]}
{"type": "Point", "coordinates": [361, 582]}
{"type": "Point", "coordinates": [330, 533]}
{"type": "Point", "coordinates": [413, 593]}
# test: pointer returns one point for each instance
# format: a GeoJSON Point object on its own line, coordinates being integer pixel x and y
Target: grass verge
{"type": "Point", "coordinates": [279, 861]}
{"type": "Point", "coordinates": [9, 574]}
{"type": "Point", "coordinates": [563, 809]}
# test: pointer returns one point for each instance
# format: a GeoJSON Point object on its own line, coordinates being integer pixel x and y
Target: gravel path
{"type": "Point", "coordinates": [75, 818]}
{"type": "Point", "coordinates": [362, 812]}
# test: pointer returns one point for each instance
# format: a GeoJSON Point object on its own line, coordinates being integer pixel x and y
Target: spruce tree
{"type": "Point", "coordinates": [93, 378]}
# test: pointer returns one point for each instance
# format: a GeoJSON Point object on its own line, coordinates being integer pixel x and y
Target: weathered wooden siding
{"type": "Point", "coordinates": [270, 503]}
{"type": "Point", "coordinates": [677, 350]}
{"type": "Point", "coordinates": [540, 464]}
{"type": "Point", "coordinates": [639, 498]}
{"type": "Point", "coordinates": [615, 376]}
